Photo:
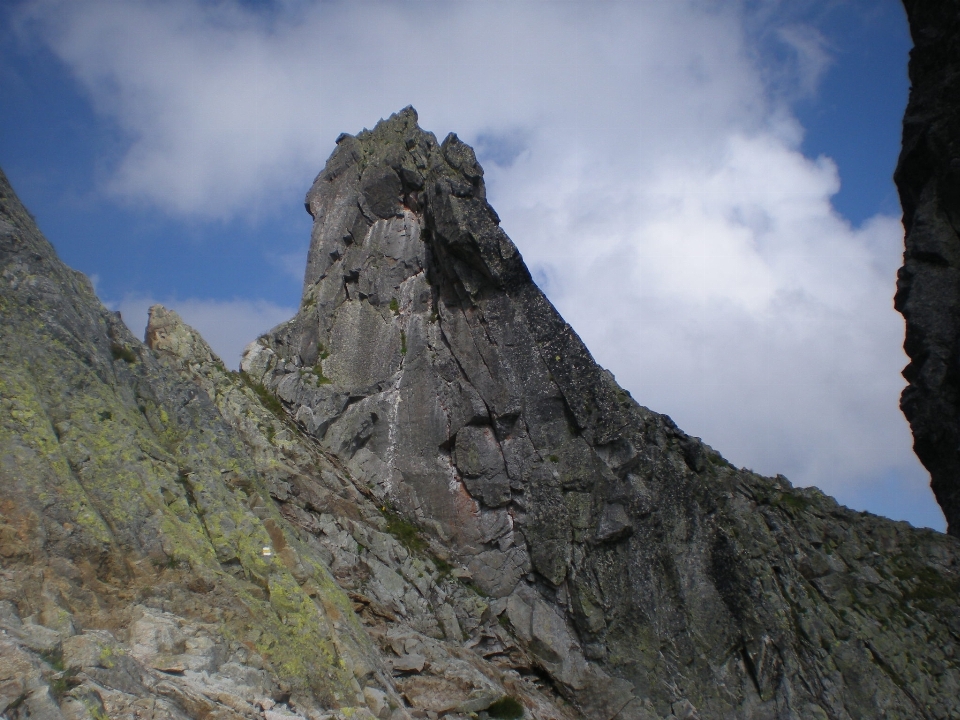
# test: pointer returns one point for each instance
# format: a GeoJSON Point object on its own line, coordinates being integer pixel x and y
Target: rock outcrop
{"type": "Point", "coordinates": [642, 573]}
{"type": "Point", "coordinates": [170, 547]}
{"type": "Point", "coordinates": [444, 649]}
{"type": "Point", "coordinates": [422, 498]}
{"type": "Point", "coordinates": [928, 284]}
{"type": "Point", "coordinates": [144, 567]}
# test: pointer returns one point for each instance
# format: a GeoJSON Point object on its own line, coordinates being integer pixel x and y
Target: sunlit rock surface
{"type": "Point", "coordinates": [642, 573]}
{"type": "Point", "coordinates": [132, 538]}
{"type": "Point", "coordinates": [171, 548]}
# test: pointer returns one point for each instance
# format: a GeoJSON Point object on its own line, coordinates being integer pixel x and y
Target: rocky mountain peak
{"type": "Point", "coordinates": [424, 352]}
{"type": "Point", "coordinates": [422, 498]}
{"type": "Point", "coordinates": [619, 550]}
{"type": "Point", "coordinates": [169, 337]}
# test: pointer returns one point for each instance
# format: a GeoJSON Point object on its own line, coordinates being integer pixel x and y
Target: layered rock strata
{"type": "Point", "coordinates": [928, 284]}
{"type": "Point", "coordinates": [644, 575]}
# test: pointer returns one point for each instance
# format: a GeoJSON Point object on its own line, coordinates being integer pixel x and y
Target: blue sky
{"type": "Point", "coordinates": [703, 189]}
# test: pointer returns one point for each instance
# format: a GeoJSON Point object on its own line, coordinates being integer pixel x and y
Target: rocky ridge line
{"type": "Point", "coordinates": [174, 545]}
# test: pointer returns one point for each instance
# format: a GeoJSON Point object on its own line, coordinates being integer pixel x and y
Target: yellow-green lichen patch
{"type": "Point", "coordinates": [30, 443]}
{"type": "Point", "coordinates": [304, 620]}
{"type": "Point", "coordinates": [109, 461]}
{"type": "Point", "coordinates": [333, 595]}
{"type": "Point", "coordinates": [294, 639]}
{"type": "Point", "coordinates": [186, 542]}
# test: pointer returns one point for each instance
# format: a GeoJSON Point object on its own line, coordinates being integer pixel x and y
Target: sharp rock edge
{"type": "Point", "coordinates": [928, 284]}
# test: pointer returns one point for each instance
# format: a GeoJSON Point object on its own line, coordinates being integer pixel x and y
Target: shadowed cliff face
{"type": "Point", "coordinates": [928, 284]}
{"type": "Point", "coordinates": [643, 573]}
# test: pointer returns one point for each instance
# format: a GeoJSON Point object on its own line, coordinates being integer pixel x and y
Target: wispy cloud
{"type": "Point", "coordinates": [811, 57]}
{"type": "Point", "coordinates": [643, 156]}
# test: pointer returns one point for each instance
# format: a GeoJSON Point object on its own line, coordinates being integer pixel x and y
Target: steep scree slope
{"type": "Point", "coordinates": [928, 284]}
{"type": "Point", "coordinates": [643, 574]}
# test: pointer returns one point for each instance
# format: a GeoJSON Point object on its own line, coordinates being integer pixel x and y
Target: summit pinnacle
{"type": "Point", "coordinates": [643, 572]}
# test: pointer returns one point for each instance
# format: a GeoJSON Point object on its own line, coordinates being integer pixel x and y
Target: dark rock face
{"type": "Point", "coordinates": [644, 575]}
{"type": "Point", "coordinates": [928, 284]}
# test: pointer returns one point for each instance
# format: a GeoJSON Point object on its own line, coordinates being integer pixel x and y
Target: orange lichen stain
{"type": "Point", "coordinates": [466, 513]}
{"type": "Point", "coordinates": [17, 529]}
{"type": "Point", "coordinates": [276, 534]}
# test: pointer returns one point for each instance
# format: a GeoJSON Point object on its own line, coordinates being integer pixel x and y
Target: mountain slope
{"type": "Point", "coordinates": [420, 498]}
{"type": "Point", "coordinates": [643, 573]}
{"type": "Point", "coordinates": [148, 563]}
{"type": "Point", "coordinates": [134, 522]}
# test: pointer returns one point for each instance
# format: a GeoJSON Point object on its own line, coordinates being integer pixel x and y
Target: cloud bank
{"type": "Point", "coordinates": [642, 155]}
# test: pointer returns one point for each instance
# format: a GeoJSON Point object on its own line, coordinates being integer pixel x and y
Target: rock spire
{"type": "Point", "coordinates": [644, 573]}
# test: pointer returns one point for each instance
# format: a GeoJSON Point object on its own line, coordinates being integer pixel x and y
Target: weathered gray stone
{"type": "Point", "coordinates": [632, 557]}
{"type": "Point", "coordinates": [614, 523]}
{"type": "Point", "coordinates": [480, 461]}
{"type": "Point", "coordinates": [497, 571]}
{"type": "Point", "coordinates": [408, 663]}
{"type": "Point", "coordinates": [377, 701]}
{"type": "Point", "coordinates": [448, 621]}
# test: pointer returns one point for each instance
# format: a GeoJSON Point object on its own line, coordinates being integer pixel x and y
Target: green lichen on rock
{"type": "Point", "coordinates": [405, 531]}
{"type": "Point", "coordinates": [269, 400]}
{"type": "Point", "coordinates": [114, 462]}
{"type": "Point", "coordinates": [180, 516]}
{"type": "Point", "coordinates": [507, 708]}
{"type": "Point", "coordinates": [122, 352]}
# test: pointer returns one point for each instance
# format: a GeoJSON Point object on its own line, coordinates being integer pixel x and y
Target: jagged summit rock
{"type": "Point", "coordinates": [422, 339]}
{"type": "Point", "coordinates": [644, 574]}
